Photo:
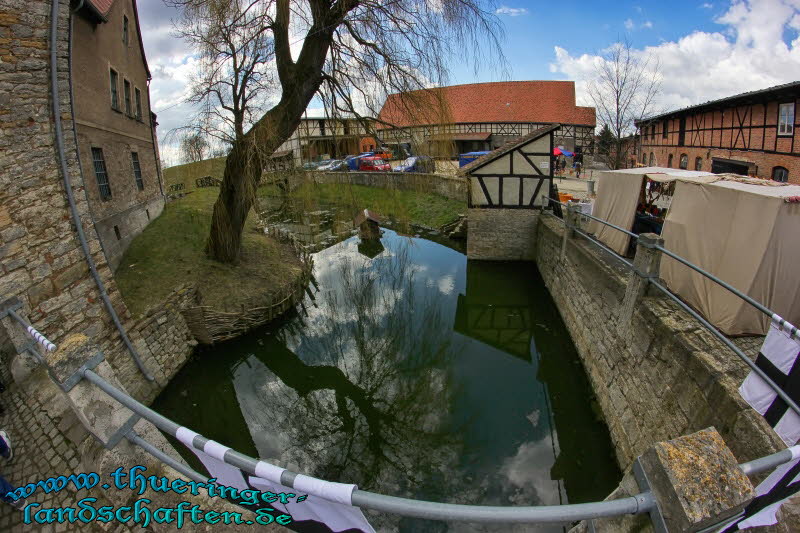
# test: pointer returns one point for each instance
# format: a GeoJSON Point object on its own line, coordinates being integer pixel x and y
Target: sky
{"type": "Point", "coordinates": [706, 50]}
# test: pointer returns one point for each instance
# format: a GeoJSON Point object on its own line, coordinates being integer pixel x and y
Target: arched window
{"type": "Point", "coordinates": [644, 158]}
{"type": "Point", "coordinates": [652, 160]}
{"type": "Point", "coordinates": [780, 174]}
{"type": "Point", "coordinates": [698, 163]}
{"type": "Point", "coordinates": [669, 161]}
{"type": "Point", "coordinates": [684, 161]}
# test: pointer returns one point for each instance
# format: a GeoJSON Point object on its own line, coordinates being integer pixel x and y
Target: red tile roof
{"type": "Point", "coordinates": [508, 101]}
{"type": "Point", "coordinates": [102, 6]}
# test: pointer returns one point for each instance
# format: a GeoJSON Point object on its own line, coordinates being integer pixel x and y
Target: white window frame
{"type": "Point", "coordinates": [786, 119]}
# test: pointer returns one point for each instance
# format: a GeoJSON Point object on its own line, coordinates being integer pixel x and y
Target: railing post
{"type": "Point", "coordinates": [646, 265]}
{"type": "Point", "coordinates": [570, 221]}
{"type": "Point", "coordinates": [23, 361]}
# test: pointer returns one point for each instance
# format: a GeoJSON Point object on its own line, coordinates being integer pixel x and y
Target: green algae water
{"type": "Point", "coordinates": [412, 372]}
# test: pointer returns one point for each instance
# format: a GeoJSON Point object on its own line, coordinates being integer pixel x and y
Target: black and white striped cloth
{"type": "Point", "coordinates": [329, 503]}
{"type": "Point", "coordinates": [779, 359]}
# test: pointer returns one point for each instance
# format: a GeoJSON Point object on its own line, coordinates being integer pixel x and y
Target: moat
{"type": "Point", "coordinates": [413, 372]}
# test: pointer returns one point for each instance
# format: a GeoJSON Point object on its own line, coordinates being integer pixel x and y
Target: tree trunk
{"type": "Point", "coordinates": [244, 166]}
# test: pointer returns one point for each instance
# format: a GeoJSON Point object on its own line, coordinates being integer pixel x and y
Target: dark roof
{"type": "Point", "coordinates": [365, 215]}
{"type": "Point", "coordinates": [495, 102]}
{"type": "Point", "coordinates": [738, 99]}
{"type": "Point", "coordinates": [503, 150]}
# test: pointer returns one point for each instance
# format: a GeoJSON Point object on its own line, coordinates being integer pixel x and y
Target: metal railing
{"type": "Point", "coordinates": [793, 331]}
{"type": "Point", "coordinates": [638, 504]}
{"type": "Point", "coordinates": [641, 503]}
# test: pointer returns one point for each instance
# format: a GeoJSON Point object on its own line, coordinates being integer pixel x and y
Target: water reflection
{"type": "Point", "coordinates": [413, 373]}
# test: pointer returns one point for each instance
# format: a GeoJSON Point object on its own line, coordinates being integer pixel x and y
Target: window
{"type": "Point", "coordinates": [101, 174]}
{"type": "Point", "coordinates": [125, 30]}
{"type": "Point", "coordinates": [664, 129]}
{"type": "Point", "coordinates": [786, 119]}
{"type": "Point", "coordinates": [137, 171]}
{"type": "Point", "coordinates": [644, 158]}
{"type": "Point", "coordinates": [669, 161]}
{"type": "Point", "coordinates": [653, 131]}
{"type": "Point", "coordinates": [114, 94]}
{"type": "Point", "coordinates": [138, 104]}
{"type": "Point", "coordinates": [321, 124]}
{"type": "Point", "coordinates": [127, 88]}
{"type": "Point", "coordinates": [684, 161]}
{"type": "Point", "coordinates": [780, 174]}
{"type": "Point", "coordinates": [698, 163]}
{"type": "Point", "coordinates": [652, 160]}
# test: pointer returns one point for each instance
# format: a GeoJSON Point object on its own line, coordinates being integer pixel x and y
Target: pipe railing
{"type": "Point", "coordinates": [638, 504]}
{"type": "Point", "coordinates": [33, 332]}
{"type": "Point", "coordinates": [710, 327]}
{"type": "Point", "coordinates": [641, 503]}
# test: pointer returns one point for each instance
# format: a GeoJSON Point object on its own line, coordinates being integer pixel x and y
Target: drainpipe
{"type": "Point", "coordinates": [76, 219]}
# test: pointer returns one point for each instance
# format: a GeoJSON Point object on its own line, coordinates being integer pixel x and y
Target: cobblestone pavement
{"type": "Point", "coordinates": [41, 450]}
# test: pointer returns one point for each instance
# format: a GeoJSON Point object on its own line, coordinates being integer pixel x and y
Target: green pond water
{"type": "Point", "coordinates": [410, 371]}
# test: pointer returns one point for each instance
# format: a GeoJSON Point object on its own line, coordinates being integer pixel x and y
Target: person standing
{"type": "Point", "coordinates": [7, 452]}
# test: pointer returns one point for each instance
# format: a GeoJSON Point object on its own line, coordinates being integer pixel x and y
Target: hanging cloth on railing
{"type": "Point", "coordinates": [212, 458]}
{"type": "Point", "coordinates": [327, 503]}
{"type": "Point", "coordinates": [779, 358]}
{"type": "Point", "coordinates": [337, 516]}
{"type": "Point", "coordinates": [770, 495]}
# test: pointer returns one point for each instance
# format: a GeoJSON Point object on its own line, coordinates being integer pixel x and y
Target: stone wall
{"type": "Point", "coordinates": [660, 376]}
{"type": "Point", "coordinates": [657, 378]}
{"type": "Point", "coordinates": [502, 234]}
{"type": "Point", "coordinates": [452, 187]}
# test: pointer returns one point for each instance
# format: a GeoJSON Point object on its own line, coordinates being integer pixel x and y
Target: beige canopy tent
{"type": "Point", "coordinates": [617, 198]}
{"type": "Point", "coordinates": [742, 230]}
{"type": "Point", "coordinates": [745, 232]}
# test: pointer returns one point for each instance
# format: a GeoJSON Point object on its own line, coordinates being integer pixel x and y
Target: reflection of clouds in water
{"type": "Point", "coordinates": [527, 478]}
{"type": "Point", "coordinates": [534, 417]}
{"type": "Point", "coordinates": [447, 284]}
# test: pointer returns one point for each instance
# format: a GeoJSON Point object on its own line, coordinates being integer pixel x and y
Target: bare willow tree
{"type": "Point", "coordinates": [194, 147]}
{"type": "Point", "coordinates": [349, 52]}
{"type": "Point", "coordinates": [624, 89]}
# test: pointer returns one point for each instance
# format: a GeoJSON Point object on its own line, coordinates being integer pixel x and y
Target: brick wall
{"type": "Point", "coordinates": [662, 377]}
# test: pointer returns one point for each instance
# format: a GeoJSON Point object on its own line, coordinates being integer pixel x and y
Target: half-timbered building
{"type": "Point", "coordinates": [448, 121]}
{"type": "Point", "coordinates": [754, 133]}
{"type": "Point", "coordinates": [508, 188]}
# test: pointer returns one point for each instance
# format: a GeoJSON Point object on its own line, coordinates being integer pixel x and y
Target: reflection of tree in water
{"type": "Point", "coordinates": [366, 402]}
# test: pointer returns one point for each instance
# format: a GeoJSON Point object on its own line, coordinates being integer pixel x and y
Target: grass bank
{"type": "Point", "coordinates": [415, 207]}
{"type": "Point", "coordinates": [169, 253]}
{"type": "Point", "coordinates": [188, 173]}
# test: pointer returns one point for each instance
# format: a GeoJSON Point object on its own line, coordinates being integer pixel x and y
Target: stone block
{"type": "Point", "coordinates": [696, 481]}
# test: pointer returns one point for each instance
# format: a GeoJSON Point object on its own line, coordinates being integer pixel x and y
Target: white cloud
{"type": "Point", "coordinates": [511, 11]}
{"type": "Point", "coordinates": [647, 24]}
{"type": "Point", "coordinates": [629, 24]}
{"type": "Point", "coordinates": [707, 6]}
{"type": "Point", "coordinates": [748, 53]}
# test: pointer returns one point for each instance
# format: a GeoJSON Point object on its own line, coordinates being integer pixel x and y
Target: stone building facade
{"type": "Point", "coordinates": [114, 122]}
{"type": "Point", "coordinates": [754, 134]}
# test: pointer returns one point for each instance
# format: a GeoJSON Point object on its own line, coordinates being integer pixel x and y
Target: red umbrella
{"type": "Point", "coordinates": [556, 151]}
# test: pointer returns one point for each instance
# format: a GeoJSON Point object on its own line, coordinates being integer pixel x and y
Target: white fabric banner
{"type": "Point", "coordinates": [779, 486]}
{"type": "Point", "coordinates": [337, 516]}
{"type": "Point", "coordinates": [779, 360]}
{"type": "Point", "coordinates": [211, 457]}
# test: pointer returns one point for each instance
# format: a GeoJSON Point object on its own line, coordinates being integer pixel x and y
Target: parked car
{"type": "Point", "coordinates": [327, 165]}
{"type": "Point", "coordinates": [373, 163]}
{"type": "Point", "coordinates": [311, 165]}
{"type": "Point", "coordinates": [417, 163]}
{"type": "Point", "coordinates": [384, 153]}
{"type": "Point", "coordinates": [469, 157]}
{"type": "Point", "coordinates": [336, 165]}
